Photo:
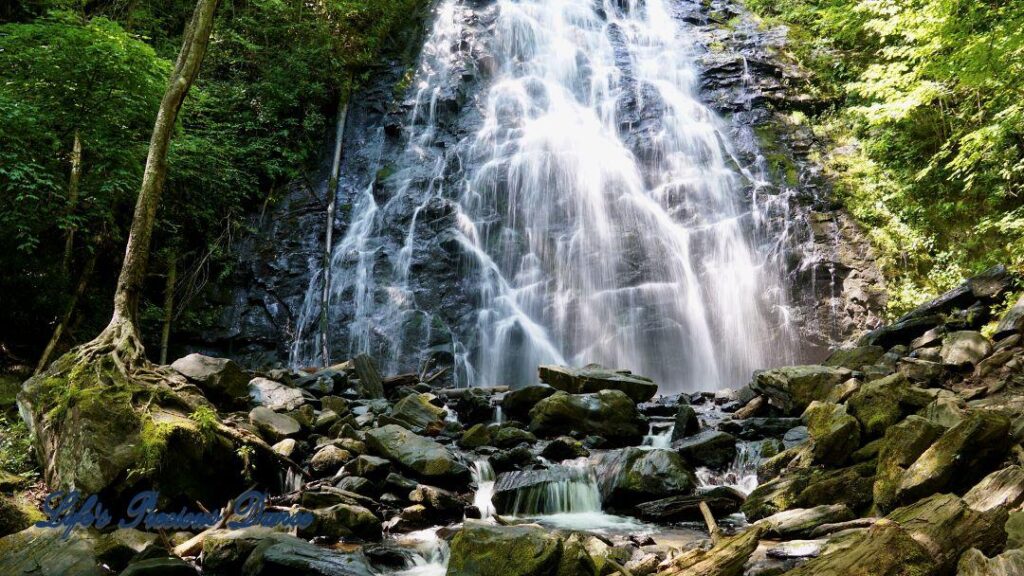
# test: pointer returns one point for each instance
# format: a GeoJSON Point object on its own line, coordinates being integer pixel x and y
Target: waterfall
{"type": "Point", "coordinates": [741, 474]}
{"type": "Point", "coordinates": [575, 490]}
{"type": "Point", "coordinates": [483, 476]}
{"type": "Point", "coordinates": [593, 204]}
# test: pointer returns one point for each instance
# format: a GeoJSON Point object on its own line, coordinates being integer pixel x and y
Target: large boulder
{"type": "Point", "coordinates": [792, 388]}
{"type": "Point", "coordinates": [1002, 488]}
{"type": "Point", "coordinates": [957, 458]}
{"type": "Point", "coordinates": [965, 347]}
{"type": "Point", "coordinates": [220, 378]}
{"type": "Point", "coordinates": [854, 358]}
{"type": "Point", "coordinates": [685, 423]}
{"type": "Point", "coordinates": [1012, 321]}
{"type": "Point", "coordinates": [84, 552]}
{"type": "Point", "coordinates": [290, 555]}
{"type": "Point", "coordinates": [421, 456]}
{"type": "Point", "coordinates": [518, 403]}
{"type": "Point", "coordinates": [902, 445]}
{"type": "Point", "coordinates": [274, 395]}
{"type": "Point", "coordinates": [721, 500]}
{"type": "Point", "coordinates": [343, 521]}
{"type": "Point", "coordinates": [594, 378]}
{"type": "Point", "coordinates": [273, 426]}
{"type": "Point", "coordinates": [879, 404]}
{"type": "Point", "coordinates": [810, 487]}
{"type": "Point", "coordinates": [610, 414]}
{"type": "Point", "coordinates": [482, 549]}
{"type": "Point", "coordinates": [884, 549]}
{"type": "Point", "coordinates": [416, 413]}
{"type": "Point", "coordinates": [89, 434]}
{"type": "Point", "coordinates": [835, 435]}
{"type": "Point", "coordinates": [947, 527]}
{"type": "Point", "coordinates": [649, 475]}
{"type": "Point", "coordinates": [710, 448]}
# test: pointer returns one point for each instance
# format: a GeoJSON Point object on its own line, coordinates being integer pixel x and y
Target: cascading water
{"type": "Point", "coordinates": [596, 210]}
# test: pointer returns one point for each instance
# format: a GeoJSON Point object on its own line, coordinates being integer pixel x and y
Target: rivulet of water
{"type": "Point", "coordinates": [598, 210]}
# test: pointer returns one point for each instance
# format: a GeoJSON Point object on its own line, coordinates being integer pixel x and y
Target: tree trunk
{"type": "Point", "coordinates": [123, 324]}
{"type": "Point", "coordinates": [332, 199]}
{"type": "Point", "coordinates": [172, 278]}
{"type": "Point", "coordinates": [76, 177]}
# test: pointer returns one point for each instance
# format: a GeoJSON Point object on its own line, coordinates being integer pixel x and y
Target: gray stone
{"type": "Point", "coordinates": [274, 395]}
{"type": "Point", "coordinates": [273, 426]}
{"type": "Point", "coordinates": [965, 347]}
{"type": "Point", "coordinates": [421, 456]}
{"type": "Point", "coordinates": [709, 448]}
{"type": "Point", "coordinates": [220, 378]}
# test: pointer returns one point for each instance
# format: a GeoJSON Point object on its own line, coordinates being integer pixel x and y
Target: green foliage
{"type": "Point", "coordinates": [15, 447]}
{"type": "Point", "coordinates": [255, 119]}
{"type": "Point", "coordinates": [928, 130]}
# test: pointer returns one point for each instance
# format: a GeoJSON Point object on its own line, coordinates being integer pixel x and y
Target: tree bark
{"type": "Point", "coordinates": [76, 177]}
{"type": "Point", "coordinates": [136, 257]}
{"type": "Point", "coordinates": [332, 200]}
{"type": "Point", "coordinates": [172, 278]}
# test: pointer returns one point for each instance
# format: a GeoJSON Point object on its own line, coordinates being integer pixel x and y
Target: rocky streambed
{"type": "Point", "coordinates": [898, 455]}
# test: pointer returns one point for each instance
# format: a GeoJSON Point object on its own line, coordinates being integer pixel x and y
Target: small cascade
{"type": "Point", "coordinates": [483, 476]}
{"type": "Point", "coordinates": [499, 416]}
{"type": "Point", "coordinates": [741, 474]}
{"type": "Point", "coordinates": [293, 481]}
{"type": "Point", "coordinates": [431, 553]}
{"type": "Point", "coordinates": [574, 490]}
{"type": "Point", "coordinates": [659, 438]}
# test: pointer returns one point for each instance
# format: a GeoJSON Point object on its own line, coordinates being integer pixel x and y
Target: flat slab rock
{"type": "Point", "coordinates": [594, 378]}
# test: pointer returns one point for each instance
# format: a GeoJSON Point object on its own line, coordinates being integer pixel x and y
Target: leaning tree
{"type": "Point", "coordinates": [102, 416]}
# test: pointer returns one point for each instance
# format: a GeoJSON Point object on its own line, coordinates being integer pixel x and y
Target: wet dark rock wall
{"type": "Point", "coordinates": [835, 290]}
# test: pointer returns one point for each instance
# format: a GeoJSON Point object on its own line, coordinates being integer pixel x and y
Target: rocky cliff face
{"type": "Point", "coordinates": [834, 290]}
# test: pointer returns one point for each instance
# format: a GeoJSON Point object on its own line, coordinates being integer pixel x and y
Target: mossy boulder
{"type": "Point", "coordinates": [959, 457]}
{"type": "Point", "coordinates": [100, 432]}
{"type": "Point", "coordinates": [649, 475]}
{"type": "Point", "coordinates": [85, 551]}
{"type": "Point", "coordinates": [974, 563]}
{"type": "Point", "coordinates": [879, 404]}
{"type": "Point", "coordinates": [854, 358]}
{"type": "Point", "coordinates": [810, 487]}
{"type": "Point", "coordinates": [884, 549]}
{"type": "Point", "coordinates": [947, 527]}
{"type": "Point", "coordinates": [481, 549]}
{"type": "Point", "coordinates": [610, 414]}
{"type": "Point", "coordinates": [902, 445]}
{"type": "Point", "coordinates": [510, 436]}
{"type": "Point", "coordinates": [343, 521]}
{"type": "Point", "coordinates": [476, 436]}
{"type": "Point", "coordinates": [595, 378]}
{"type": "Point", "coordinates": [792, 388]}
{"type": "Point", "coordinates": [420, 456]}
{"type": "Point", "coordinates": [417, 413]}
{"type": "Point", "coordinates": [835, 435]}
